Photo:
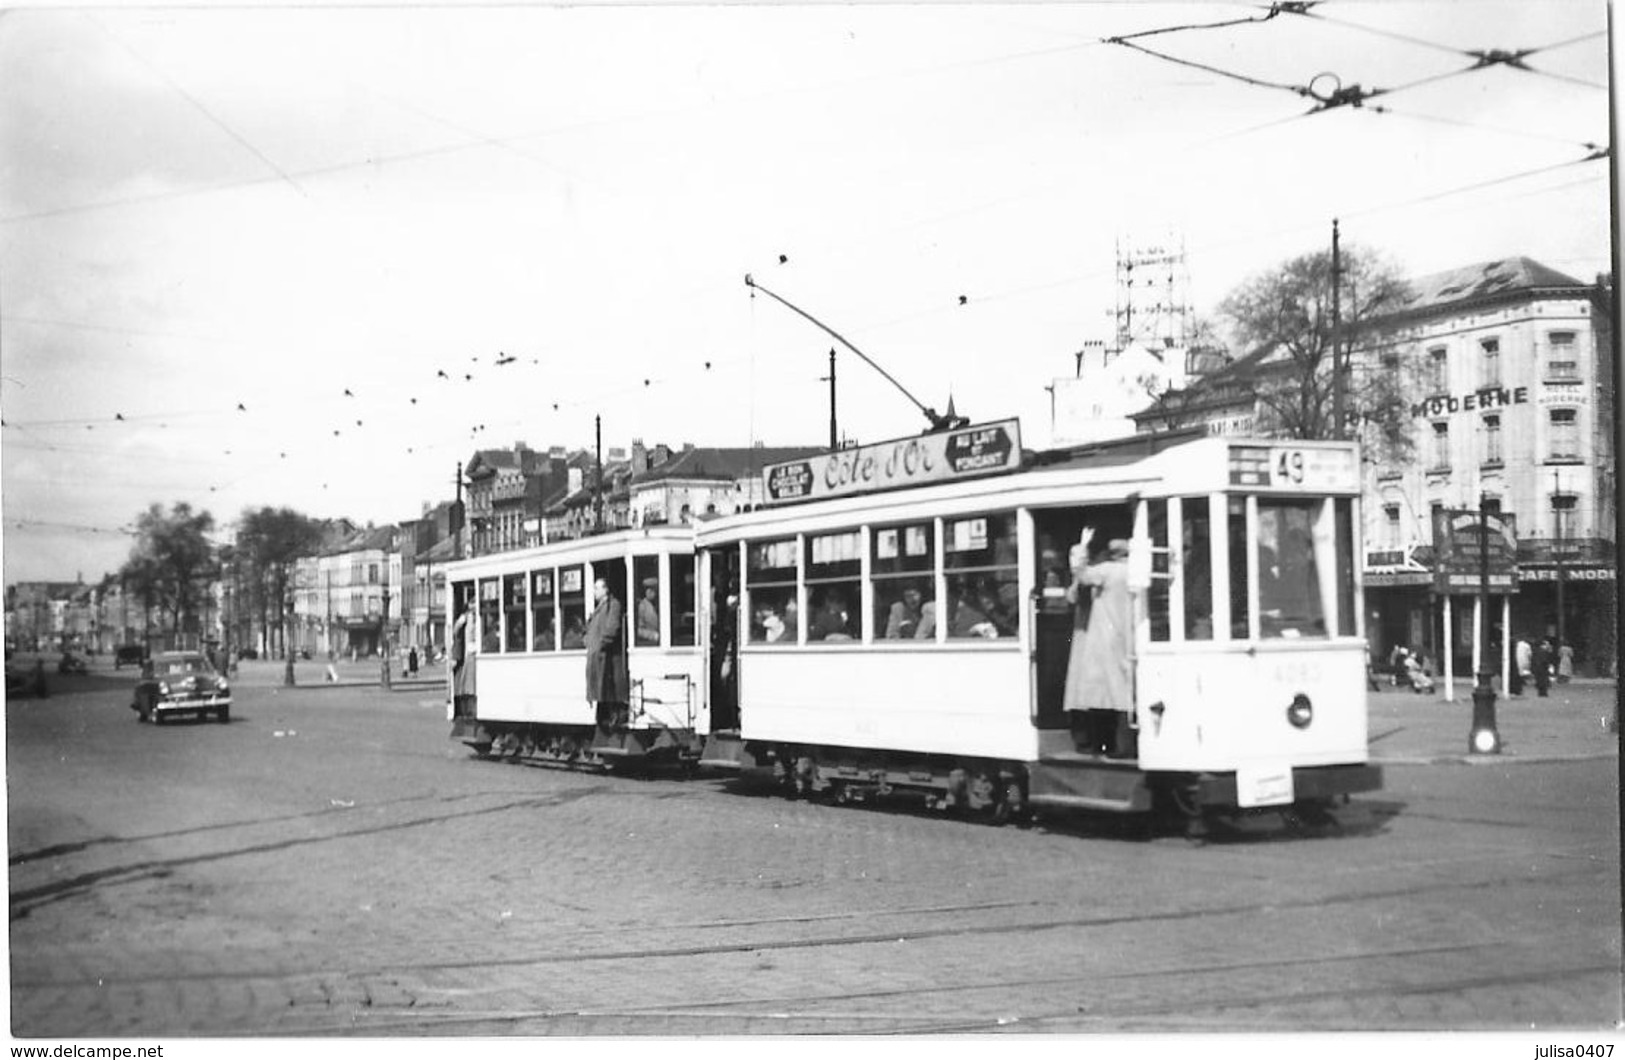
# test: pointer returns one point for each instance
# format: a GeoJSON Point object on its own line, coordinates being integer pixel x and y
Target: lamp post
{"type": "Point", "coordinates": [383, 634]}
{"type": "Point", "coordinates": [1484, 738]}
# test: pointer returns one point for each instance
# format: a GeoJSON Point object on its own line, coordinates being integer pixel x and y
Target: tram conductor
{"type": "Point", "coordinates": [607, 683]}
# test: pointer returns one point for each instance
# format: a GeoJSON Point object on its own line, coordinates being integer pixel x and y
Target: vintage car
{"type": "Point", "coordinates": [131, 654]}
{"type": "Point", "coordinates": [182, 682]}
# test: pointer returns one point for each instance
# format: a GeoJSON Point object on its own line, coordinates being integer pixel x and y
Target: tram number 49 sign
{"type": "Point", "coordinates": [1289, 467]}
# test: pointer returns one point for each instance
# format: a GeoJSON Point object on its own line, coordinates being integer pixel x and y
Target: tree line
{"type": "Point", "coordinates": [174, 567]}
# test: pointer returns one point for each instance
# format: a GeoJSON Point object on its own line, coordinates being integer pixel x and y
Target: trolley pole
{"type": "Point", "coordinates": [1484, 738]}
{"type": "Point", "coordinates": [1557, 551]}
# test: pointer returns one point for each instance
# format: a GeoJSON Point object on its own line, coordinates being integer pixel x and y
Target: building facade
{"type": "Point", "coordinates": [1513, 409]}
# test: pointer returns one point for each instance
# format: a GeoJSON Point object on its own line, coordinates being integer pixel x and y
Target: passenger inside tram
{"type": "Point", "coordinates": [575, 632]}
{"type": "Point", "coordinates": [831, 618]}
{"type": "Point", "coordinates": [903, 617]}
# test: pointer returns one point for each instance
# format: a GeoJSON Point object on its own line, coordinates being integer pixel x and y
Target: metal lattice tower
{"type": "Point", "coordinates": [1153, 292]}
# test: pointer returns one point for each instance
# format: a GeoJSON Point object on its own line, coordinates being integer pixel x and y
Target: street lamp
{"type": "Point", "coordinates": [383, 634]}
{"type": "Point", "coordinates": [1484, 738]}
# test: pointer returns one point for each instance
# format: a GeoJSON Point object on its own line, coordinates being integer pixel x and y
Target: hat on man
{"type": "Point", "coordinates": [1118, 547]}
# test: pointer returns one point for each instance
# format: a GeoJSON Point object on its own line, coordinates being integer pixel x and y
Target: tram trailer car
{"type": "Point", "coordinates": [527, 613]}
{"type": "Point", "coordinates": [1248, 658]}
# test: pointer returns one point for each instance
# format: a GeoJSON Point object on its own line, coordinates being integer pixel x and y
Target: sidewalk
{"type": "Point", "coordinates": [312, 673]}
{"type": "Point", "coordinates": [1571, 724]}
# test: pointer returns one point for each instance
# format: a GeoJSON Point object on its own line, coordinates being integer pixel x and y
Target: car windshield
{"type": "Point", "coordinates": [183, 667]}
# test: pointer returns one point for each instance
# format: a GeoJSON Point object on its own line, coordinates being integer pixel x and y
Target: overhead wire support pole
{"type": "Point", "coordinates": [938, 422]}
{"type": "Point", "coordinates": [1339, 400]}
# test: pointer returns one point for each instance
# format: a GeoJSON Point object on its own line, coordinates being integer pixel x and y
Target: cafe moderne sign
{"type": "Point", "coordinates": [1489, 398]}
{"type": "Point", "coordinates": [983, 449]}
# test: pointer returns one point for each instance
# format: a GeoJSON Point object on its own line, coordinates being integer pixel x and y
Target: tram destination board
{"type": "Point", "coordinates": [1295, 467]}
{"type": "Point", "coordinates": [983, 449]}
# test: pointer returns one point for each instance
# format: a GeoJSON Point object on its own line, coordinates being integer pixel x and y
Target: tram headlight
{"type": "Point", "coordinates": [1301, 712]}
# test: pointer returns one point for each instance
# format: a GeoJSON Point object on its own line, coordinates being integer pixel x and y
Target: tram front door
{"type": "Point", "coordinates": [1056, 619]}
{"type": "Point", "coordinates": [723, 651]}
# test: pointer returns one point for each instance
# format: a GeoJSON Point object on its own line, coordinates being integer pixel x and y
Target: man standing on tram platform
{"type": "Point", "coordinates": [1098, 680]}
{"type": "Point", "coordinates": [607, 682]}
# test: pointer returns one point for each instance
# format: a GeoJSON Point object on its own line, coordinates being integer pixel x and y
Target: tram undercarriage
{"type": "Point", "coordinates": [579, 746]}
{"type": "Point", "coordinates": [1013, 792]}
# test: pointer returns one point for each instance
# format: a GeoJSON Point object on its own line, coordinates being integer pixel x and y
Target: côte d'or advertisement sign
{"type": "Point", "coordinates": [983, 449]}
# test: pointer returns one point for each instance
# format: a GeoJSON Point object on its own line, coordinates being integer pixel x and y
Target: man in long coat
{"type": "Point", "coordinates": [464, 650]}
{"type": "Point", "coordinates": [1098, 679]}
{"type": "Point", "coordinates": [607, 684]}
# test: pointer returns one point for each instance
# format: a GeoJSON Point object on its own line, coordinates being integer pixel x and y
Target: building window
{"type": "Point", "coordinates": [1564, 434]}
{"type": "Point", "coordinates": [1492, 362]}
{"type": "Point", "coordinates": [1562, 514]}
{"type": "Point", "coordinates": [1438, 377]}
{"type": "Point", "coordinates": [1561, 362]}
{"type": "Point", "coordinates": [1439, 454]}
{"type": "Point", "coordinates": [1390, 513]}
{"type": "Point", "coordinates": [1492, 440]}
{"type": "Point", "coordinates": [1492, 506]}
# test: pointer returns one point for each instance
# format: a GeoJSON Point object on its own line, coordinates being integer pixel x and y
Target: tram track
{"type": "Point", "coordinates": [26, 900]}
{"type": "Point", "coordinates": [721, 1017]}
{"type": "Point", "coordinates": [821, 941]}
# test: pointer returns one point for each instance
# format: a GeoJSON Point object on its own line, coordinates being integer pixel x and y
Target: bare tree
{"type": "Point", "coordinates": [1287, 312]}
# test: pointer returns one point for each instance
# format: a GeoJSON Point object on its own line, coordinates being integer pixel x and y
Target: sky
{"type": "Point", "coordinates": [316, 256]}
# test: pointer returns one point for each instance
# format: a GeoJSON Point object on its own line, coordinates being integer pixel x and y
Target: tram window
{"type": "Point", "coordinates": [770, 577]}
{"type": "Point", "coordinates": [513, 612]}
{"type": "Point", "coordinates": [573, 606]}
{"type": "Point", "coordinates": [646, 612]}
{"type": "Point", "coordinates": [490, 615]}
{"type": "Point", "coordinates": [834, 565]}
{"type": "Point", "coordinates": [682, 601]}
{"type": "Point", "coordinates": [1289, 603]}
{"type": "Point", "coordinates": [1239, 610]}
{"type": "Point", "coordinates": [1345, 567]}
{"type": "Point", "coordinates": [901, 565]}
{"type": "Point", "coordinates": [1158, 595]}
{"type": "Point", "coordinates": [1195, 539]}
{"type": "Point", "coordinates": [542, 611]}
{"type": "Point", "coordinates": [984, 597]}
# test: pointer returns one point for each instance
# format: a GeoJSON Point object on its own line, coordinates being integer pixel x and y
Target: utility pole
{"type": "Point", "coordinates": [1337, 356]}
{"type": "Point", "coordinates": [834, 438]}
{"type": "Point", "coordinates": [457, 515]}
{"type": "Point", "coordinates": [598, 475]}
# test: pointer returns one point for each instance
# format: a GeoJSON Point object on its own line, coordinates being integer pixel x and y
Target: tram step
{"type": "Point", "coordinates": [1085, 782]}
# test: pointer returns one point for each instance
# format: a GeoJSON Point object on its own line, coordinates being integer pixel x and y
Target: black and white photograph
{"type": "Point", "coordinates": [1090, 525]}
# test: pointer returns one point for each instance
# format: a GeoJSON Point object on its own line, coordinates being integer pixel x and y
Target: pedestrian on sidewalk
{"type": "Point", "coordinates": [1565, 663]}
{"type": "Point", "coordinates": [412, 661]}
{"type": "Point", "coordinates": [1542, 663]}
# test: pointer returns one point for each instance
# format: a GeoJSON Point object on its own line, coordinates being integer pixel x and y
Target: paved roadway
{"type": "Point", "coordinates": [331, 864]}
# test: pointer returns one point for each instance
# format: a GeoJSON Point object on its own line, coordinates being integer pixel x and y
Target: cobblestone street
{"type": "Point", "coordinates": [330, 863]}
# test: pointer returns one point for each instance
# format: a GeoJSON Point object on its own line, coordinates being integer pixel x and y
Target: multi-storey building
{"type": "Point", "coordinates": [509, 490]}
{"type": "Point", "coordinates": [1513, 408]}
{"type": "Point", "coordinates": [348, 597]}
{"type": "Point", "coordinates": [691, 483]}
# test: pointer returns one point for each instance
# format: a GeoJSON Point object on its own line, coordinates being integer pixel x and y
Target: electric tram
{"type": "Point", "coordinates": [896, 620]}
{"type": "Point", "coordinates": [527, 612]}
